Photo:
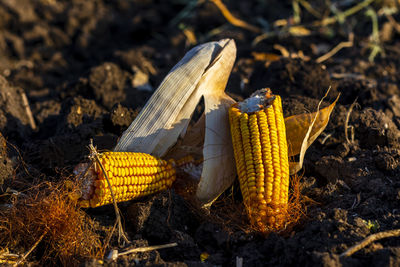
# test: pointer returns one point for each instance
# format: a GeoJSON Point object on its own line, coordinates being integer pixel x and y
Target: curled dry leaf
{"type": "Point", "coordinates": [303, 129]}
{"type": "Point", "coordinates": [203, 72]}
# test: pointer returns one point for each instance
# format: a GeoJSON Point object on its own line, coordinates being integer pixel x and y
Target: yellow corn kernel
{"type": "Point", "coordinates": [260, 150]}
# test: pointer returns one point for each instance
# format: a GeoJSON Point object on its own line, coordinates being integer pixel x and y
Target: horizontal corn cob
{"type": "Point", "coordinates": [131, 175]}
{"type": "Point", "coordinates": [260, 149]}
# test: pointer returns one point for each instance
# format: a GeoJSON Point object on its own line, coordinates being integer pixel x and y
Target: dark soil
{"type": "Point", "coordinates": [87, 67]}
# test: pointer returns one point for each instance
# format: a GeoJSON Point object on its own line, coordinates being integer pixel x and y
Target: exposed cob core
{"type": "Point", "coordinates": [261, 155]}
{"type": "Point", "coordinates": [131, 175]}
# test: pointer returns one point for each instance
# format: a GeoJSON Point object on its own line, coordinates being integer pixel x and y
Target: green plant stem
{"type": "Point", "coordinates": [347, 13]}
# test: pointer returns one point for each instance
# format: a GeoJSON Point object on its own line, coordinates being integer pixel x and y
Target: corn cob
{"type": "Point", "coordinates": [131, 175]}
{"type": "Point", "coordinates": [260, 150]}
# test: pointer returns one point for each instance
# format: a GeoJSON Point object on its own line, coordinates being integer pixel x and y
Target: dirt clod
{"type": "Point", "coordinates": [374, 128]}
{"type": "Point", "coordinates": [108, 84]}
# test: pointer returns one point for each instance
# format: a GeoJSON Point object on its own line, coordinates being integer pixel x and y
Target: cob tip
{"type": "Point", "coordinates": [258, 100]}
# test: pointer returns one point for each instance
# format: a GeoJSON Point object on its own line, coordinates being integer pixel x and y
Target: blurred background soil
{"type": "Point", "coordinates": [75, 70]}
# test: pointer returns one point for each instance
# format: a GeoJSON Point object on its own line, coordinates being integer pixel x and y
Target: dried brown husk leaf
{"type": "Point", "coordinates": [303, 129]}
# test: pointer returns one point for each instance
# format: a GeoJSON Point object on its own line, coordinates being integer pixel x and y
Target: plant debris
{"type": "Point", "coordinates": [45, 216]}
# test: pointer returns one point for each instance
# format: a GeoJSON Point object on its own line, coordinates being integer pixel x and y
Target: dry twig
{"type": "Point", "coordinates": [369, 240]}
{"type": "Point", "coordinates": [309, 8]}
{"type": "Point", "coordinates": [28, 111]}
{"type": "Point", "coordinates": [30, 250]}
{"type": "Point", "coordinates": [337, 48]}
{"type": "Point", "coordinates": [94, 155]}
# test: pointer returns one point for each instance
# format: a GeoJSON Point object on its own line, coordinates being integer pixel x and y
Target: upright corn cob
{"type": "Point", "coordinates": [260, 149]}
{"type": "Point", "coordinates": [131, 175]}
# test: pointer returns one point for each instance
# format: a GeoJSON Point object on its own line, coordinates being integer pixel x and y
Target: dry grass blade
{"type": "Point", "coordinates": [7, 258]}
{"type": "Point", "coordinates": [114, 254]}
{"type": "Point", "coordinates": [232, 19]}
{"type": "Point", "coordinates": [346, 124]}
{"type": "Point", "coordinates": [149, 248]}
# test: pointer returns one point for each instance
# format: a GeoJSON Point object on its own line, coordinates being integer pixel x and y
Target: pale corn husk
{"type": "Point", "coordinates": [219, 168]}
{"type": "Point", "coordinates": [203, 72]}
